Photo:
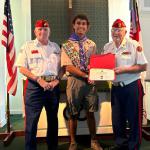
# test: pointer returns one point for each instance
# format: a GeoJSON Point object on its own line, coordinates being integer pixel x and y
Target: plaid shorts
{"type": "Point", "coordinates": [80, 94]}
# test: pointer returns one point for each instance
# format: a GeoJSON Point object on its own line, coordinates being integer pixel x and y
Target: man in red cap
{"type": "Point", "coordinates": [127, 91]}
{"type": "Point", "coordinates": [39, 61]}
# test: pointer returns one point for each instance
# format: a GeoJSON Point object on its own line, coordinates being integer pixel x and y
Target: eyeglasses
{"type": "Point", "coordinates": [43, 28]}
{"type": "Point", "coordinates": [117, 29]}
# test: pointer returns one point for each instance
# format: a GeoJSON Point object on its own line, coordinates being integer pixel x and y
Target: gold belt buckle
{"type": "Point", "coordinates": [48, 78]}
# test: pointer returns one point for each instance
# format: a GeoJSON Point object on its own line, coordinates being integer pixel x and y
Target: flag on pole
{"type": "Point", "coordinates": [8, 43]}
{"type": "Point", "coordinates": [135, 29]}
{"type": "Point", "coordinates": [135, 34]}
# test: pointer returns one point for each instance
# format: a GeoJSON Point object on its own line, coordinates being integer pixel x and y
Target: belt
{"type": "Point", "coordinates": [49, 78]}
{"type": "Point", "coordinates": [121, 84]}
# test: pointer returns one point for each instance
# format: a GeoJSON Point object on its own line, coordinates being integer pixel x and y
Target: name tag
{"type": "Point", "coordinates": [34, 51]}
{"type": "Point", "coordinates": [126, 55]}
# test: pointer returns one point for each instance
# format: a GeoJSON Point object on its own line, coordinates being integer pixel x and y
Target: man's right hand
{"type": "Point", "coordinates": [45, 85]}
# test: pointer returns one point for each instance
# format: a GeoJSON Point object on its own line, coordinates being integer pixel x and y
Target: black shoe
{"type": "Point", "coordinates": [119, 147]}
{"type": "Point", "coordinates": [114, 148]}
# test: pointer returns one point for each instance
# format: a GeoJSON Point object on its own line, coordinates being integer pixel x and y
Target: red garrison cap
{"type": "Point", "coordinates": [41, 23]}
{"type": "Point", "coordinates": [118, 24]}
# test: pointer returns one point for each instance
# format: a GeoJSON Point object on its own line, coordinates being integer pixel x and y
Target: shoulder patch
{"type": "Point", "coordinates": [139, 49]}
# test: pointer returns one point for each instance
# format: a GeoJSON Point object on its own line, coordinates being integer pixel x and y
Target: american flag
{"type": "Point", "coordinates": [8, 43]}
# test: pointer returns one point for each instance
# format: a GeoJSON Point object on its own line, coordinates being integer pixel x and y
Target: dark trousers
{"type": "Point", "coordinates": [127, 107]}
{"type": "Point", "coordinates": [35, 99]}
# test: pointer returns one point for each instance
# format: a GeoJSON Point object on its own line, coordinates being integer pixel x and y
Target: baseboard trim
{"type": "Point", "coordinates": [15, 112]}
{"type": "Point", "coordinates": [108, 136]}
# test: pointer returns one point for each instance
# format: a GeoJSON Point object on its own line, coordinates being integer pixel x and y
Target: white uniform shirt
{"type": "Point", "coordinates": [41, 60]}
{"type": "Point", "coordinates": [126, 55]}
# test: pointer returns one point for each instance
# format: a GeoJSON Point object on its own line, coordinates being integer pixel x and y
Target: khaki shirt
{"type": "Point", "coordinates": [88, 45]}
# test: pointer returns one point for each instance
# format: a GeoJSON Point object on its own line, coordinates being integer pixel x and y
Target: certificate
{"type": "Point", "coordinates": [102, 67]}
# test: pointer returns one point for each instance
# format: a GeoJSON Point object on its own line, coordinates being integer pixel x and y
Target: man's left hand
{"type": "Point", "coordinates": [91, 82]}
{"type": "Point", "coordinates": [120, 70]}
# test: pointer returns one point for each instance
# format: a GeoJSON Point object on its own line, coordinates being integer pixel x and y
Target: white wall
{"type": "Point", "coordinates": [145, 27]}
{"type": "Point", "coordinates": [119, 9]}
{"type": "Point", "coordinates": [21, 13]}
{"type": "Point", "coordinates": [21, 16]}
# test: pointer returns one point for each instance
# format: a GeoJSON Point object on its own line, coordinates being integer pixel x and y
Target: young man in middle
{"type": "Point", "coordinates": [80, 91]}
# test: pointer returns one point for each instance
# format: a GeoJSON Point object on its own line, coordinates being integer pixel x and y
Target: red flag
{"type": "Point", "coordinates": [135, 34]}
{"type": "Point", "coordinates": [8, 43]}
{"type": "Point", "coordinates": [135, 29]}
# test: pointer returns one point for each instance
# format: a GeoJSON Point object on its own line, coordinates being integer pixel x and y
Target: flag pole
{"type": "Point", "coordinates": [8, 43]}
{"type": "Point", "coordinates": [10, 134]}
{"type": "Point", "coordinates": [8, 114]}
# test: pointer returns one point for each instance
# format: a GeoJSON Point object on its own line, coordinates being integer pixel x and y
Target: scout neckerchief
{"type": "Point", "coordinates": [75, 37]}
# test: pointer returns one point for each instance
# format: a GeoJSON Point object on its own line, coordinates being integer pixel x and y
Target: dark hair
{"type": "Point", "coordinates": [82, 17]}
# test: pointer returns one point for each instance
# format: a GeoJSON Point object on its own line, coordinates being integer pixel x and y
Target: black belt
{"type": "Point", "coordinates": [121, 84]}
